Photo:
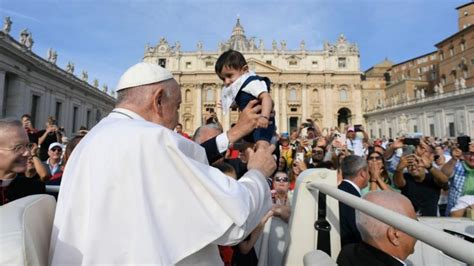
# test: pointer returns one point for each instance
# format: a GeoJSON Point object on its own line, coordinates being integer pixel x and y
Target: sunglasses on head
{"type": "Point", "coordinates": [282, 179]}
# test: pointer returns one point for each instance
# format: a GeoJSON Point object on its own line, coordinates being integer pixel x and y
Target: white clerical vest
{"type": "Point", "coordinates": [134, 192]}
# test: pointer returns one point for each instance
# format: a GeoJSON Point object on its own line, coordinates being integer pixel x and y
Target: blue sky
{"type": "Point", "coordinates": [106, 37]}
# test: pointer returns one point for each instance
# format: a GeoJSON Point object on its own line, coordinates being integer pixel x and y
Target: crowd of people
{"type": "Point", "coordinates": [128, 171]}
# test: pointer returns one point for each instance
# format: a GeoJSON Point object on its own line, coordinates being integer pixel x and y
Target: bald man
{"type": "Point", "coordinates": [135, 192]}
{"type": "Point", "coordinates": [381, 244]}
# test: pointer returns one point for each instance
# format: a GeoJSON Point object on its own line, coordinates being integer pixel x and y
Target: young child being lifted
{"type": "Point", "coordinates": [241, 86]}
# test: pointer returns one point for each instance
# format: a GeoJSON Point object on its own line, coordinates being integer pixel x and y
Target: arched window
{"type": "Point", "coordinates": [292, 96]}
{"type": "Point", "coordinates": [443, 79]}
{"type": "Point", "coordinates": [316, 95]}
{"type": "Point", "coordinates": [188, 123]}
{"type": "Point", "coordinates": [343, 95]}
{"type": "Point", "coordinates": [463, 45]}
{"type": "Point", "coordinates": [210, 95]}
{"type": "Point", "coordinates": [187, 96]}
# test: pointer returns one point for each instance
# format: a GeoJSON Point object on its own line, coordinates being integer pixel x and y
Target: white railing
{"type": "Point", "coordinates": [449, 244]}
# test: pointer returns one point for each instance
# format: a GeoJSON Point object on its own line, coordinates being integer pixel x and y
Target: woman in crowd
{"type": "Point", "coordinates": [379, 178]}
{"type": "Point", "coordinates": [35, 168]}
{"type": "Point", "coordinates": [281, 195]}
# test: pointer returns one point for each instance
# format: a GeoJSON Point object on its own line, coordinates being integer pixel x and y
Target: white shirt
{"type": "Point", "coordinates": [353, 184]}
{"type": "Point", "coordinates": [134, 192]}
{"type": "Point", "coordinates": [355, 145]}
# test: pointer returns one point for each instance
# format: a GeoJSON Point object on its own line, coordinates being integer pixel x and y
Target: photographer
{"type": "Point", "coordinates": [354, 141]}
{"type": "Point", "coordinates": [421, 184]}
{"type": "Point", "coordinates": [460, 170]}
{"type": "Point", "coordinates": [47, 136]}
{"type": "Point", "coordinates": [30, 130]}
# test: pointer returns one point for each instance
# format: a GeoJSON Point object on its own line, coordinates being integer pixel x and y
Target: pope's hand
{"type": "Point", "coordinates": [247, 122]}
{"type": "Point", "coordinates": [262, 160]}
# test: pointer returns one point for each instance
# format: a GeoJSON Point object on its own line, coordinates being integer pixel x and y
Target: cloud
{"type": "Point", "coordinates": [20, 15]}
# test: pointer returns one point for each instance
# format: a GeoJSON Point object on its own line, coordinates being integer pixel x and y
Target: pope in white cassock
{"type": "Point", "coordinates": [135, 192]}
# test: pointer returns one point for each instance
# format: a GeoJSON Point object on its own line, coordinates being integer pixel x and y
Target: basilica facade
{"type": "Point", "coordinates": [323, 85]}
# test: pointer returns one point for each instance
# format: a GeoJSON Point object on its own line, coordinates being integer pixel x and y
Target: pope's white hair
{"type": "Point", "coordinates": [373, 229]}
{"type": "Point", "coordinates": [138, 95]}
{"type": "Point", "coordinates": [8, 123]}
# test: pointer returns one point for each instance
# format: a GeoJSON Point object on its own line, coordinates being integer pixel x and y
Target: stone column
{"type": "Point", "coordinates": [284, 107]}
{"type": "Point", "coordinates": [304, 102]}
{"type": "Point", "coordinates": [198, 105]}
{"type": "Point", "coordinates": [218, 111]}
{"type": "Point", "coordinates": [329, 111]}
{"type": "Point", "coordinates": [276, 100]}
{"type": "Point", "coordinates": [3, 93]}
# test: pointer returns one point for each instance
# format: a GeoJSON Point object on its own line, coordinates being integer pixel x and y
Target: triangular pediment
{"type": "Point", "coordinates": [259, 66]}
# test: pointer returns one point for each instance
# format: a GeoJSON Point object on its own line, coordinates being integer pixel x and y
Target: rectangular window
{"type": "Point", "coordinates": [57, 112]}
{"type": "Point", "coordinates": [162, 62]}
{"type": "Point", "coordinates": [380, 132]}
{"type": "Point", "coordinates": [314, 63]}
{"type": "Point", "coordinates": [293, 63]}
{"type": "Point", "coordinates": [390, 132]}
{"type": "Point", "coordinates": [269, 62]}
{"type": "Point", "coordinates": [74, 118]}
{"type": "Point", "coordinates": [432, 130]}
{"type": "Point", "coordinates": [452, 132]}
{"type": "Point", "coordinates": [209, 64]}
{"type": "Point", "coordinates": [188, 65]}
{"type": "Point", "coordinates": [88, 119]}
{"type": "Point", "coordinates": [341, 62]}
{"type": "Point", "coordinates": [35, 102]}
{"type": "Point", "coordinates": [415, 128]}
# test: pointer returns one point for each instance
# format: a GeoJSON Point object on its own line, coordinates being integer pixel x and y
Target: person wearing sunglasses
{"type": "Point", "coordinates": [55, 153]}
{"type": "Point", "coordinates": [14, 154]}
{"type": "Point", "coordinates": [379, 178]}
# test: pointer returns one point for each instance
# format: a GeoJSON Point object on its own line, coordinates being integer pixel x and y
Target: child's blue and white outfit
{"type": "Point", "coordinates": [246, 88]}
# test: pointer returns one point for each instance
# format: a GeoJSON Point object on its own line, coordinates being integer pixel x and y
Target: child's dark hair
{"type": "Point", "coordinates": [230, 58]}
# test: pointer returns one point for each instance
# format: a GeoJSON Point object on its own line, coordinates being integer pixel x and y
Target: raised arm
{"type": "Point", "coordinates": [399, 179]}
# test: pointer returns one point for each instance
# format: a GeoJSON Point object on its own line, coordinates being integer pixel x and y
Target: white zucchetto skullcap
{"type": "Point", "coordinates": [143, 74]}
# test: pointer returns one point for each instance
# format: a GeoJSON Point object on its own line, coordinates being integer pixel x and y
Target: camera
{"type": "Point", "coordinates": [411, 141]}
{"type": "Point", "coordinates": [358, 128]}
{"type": "Point", "coordinates": [463, 143]}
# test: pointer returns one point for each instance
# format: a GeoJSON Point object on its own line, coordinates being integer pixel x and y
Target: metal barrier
{"type": "Point", "coordinates": [451, 245]}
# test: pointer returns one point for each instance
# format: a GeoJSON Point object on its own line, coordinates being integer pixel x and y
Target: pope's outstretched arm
{"type": "Point", "coordinates": [261, 164]}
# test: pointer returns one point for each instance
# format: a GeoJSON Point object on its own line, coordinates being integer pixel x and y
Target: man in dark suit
{"type": "Point", "coordinates": [381, 244]}
{"type": "Point", "coordinates": [356, 176]}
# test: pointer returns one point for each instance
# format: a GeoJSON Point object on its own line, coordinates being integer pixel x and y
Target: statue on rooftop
{"type": "Point", "coordinates": [23, 36]}
{"type": "Point", "coordinates": [70, 67]}
{"type": "Point", "coordinates": [177, 46]}
{"type": "Point", "coordinates": [7, 25]}
{"type": "Point", "coordinates": [260, 45]}
{"type": "Point", "coordinates": [95, 83]}
{"type": "Point", "coordinates": [302, 45]}
{"type": "Point", "coordinates": [29, 41]}
{"type": "Point", "coordinates": [85, 75]}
